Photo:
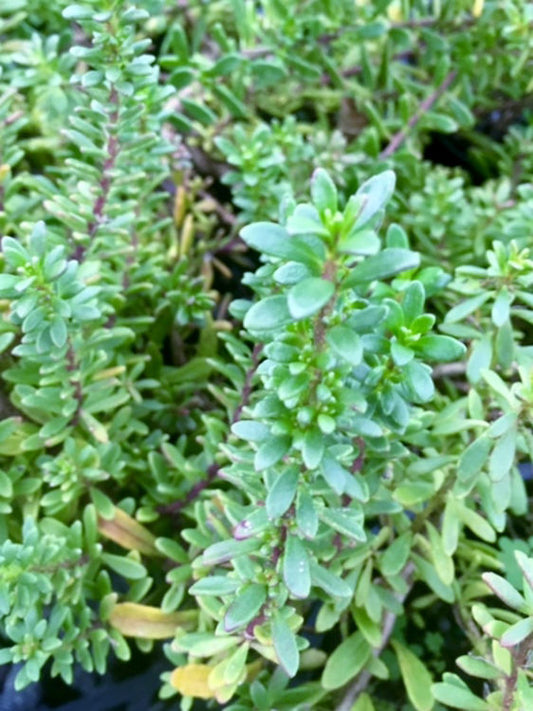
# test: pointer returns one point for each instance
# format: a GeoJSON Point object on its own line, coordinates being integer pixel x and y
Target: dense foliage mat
{"type": "Point", "coordinates": [266, 349]}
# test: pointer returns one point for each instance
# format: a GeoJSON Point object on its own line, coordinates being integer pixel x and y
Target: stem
{"type": "Point", "coordinates": [398, 138]}
{"type": "Point", "coordinates": [389, 620]}
{"type": "Point", "coordinates": [247, 387]}
{"type": "Point", "coordinates": [213, 470]}
{"type": "Point", "coordinates": [112, 149]}
{"type": "Point", "coordinates": [519, 656]}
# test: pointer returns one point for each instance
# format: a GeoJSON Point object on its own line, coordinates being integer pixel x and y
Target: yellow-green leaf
{"type": "Point", "coordinates": [128, 533]}
{"type": "Point", "coordinates": [145, 622]}
{"type": "Point", "coordinates": [191, 680]}
{"type": "Point", "coordinates": [416, 678]}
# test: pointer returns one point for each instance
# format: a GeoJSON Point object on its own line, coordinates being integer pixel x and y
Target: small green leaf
{"type": "Point", "coordinates": [309, 296]}
{"type": "Point", "coordinates": [224, 551]}
{"type": "Point", "coordinates": [334, 474]}
{"type": "Point", "coordinates": [346, 661]}
{"type": "Point", "coordinates": [418, 378]}
{"type": "Point", "coordinates": [128, 568]}
{"type": "Point", "coordinates": [285, 645]}
{"type": "Point", "coordinates": [344, 521]}
{"type": "Point", "coordinates": [374, 194]}
{"type": "Point", "coordinates": [454, 692]}
{"type": "Point", "coordinates": [346, 344]}
{"type": "Point", "coordinates": [306, 515]}
{"type": "Point", "coordinates": [503, 455]}
{"type": "Point", "coordinates": [269, 314]}
{"type": "Point", "coordinates": [368, 627]}
{"type": "Point", "coordinates": [473, 460]}
{"type": "Point", "coordinates": [466, 307]}
{"type": "Point", "coordinates": [505, 591]}
{"type": "Point", "coordinates": [323, 192]}
{"type": "Point", "coordinates": [329, 582]}
{"type": "Point", "coordinates": [502, 307]}
{"type": "Point", "coordinates": [395, 557]}
{"type": "Point", "coordinates": [439, 122]}
{"type": "Point", "coordinates": [271, 451]}
{"type": "Point", "coordinates": [517, 632]}
{"type": "Point", "coordinates": [526, 566]}
{"type": "Point", "coordinates": [475, 666]}
{"type": "Point", "coordinates": [296, 570]}
{"type": "Point", "coordinates": [413, 301]}
{"type": "Point", "coordinates": [274, 240]}
{"type": "Point", "coordinates": [397, 237]}
{"type": "Point", "coordinates": [215, 585]}
{"type": "Point", "coordinates": [78, 12]}
{"type": "Point", "coordinates": [480, 358]}
{"type": "Point", "coordinates": [441, 348]}
{"type": "Point", "coordinates": [313, 448]}
{"type": "Point", "coordinates": [416, 677]}
{"type": "Point", "coordinates": [385, 264]}
{"type": "Point", "coordinates": [250, 430]}
{"type": "Point", "coordinates": [401, 355]}
{"type": "Point", "coordinates": [245, 607]}
{"type": "Point", "coordinates": [282, 493]}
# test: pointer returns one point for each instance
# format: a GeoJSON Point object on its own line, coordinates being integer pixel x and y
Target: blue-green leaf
{"type": "Point", "coordinates": [285, 645]}
{"type": "Point", "coordinates": [296, 570]}
{"type": "Point", "coordinates": [309, 296]}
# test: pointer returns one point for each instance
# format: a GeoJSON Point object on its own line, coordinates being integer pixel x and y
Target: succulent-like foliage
{"type": "Point", "coordinates": [265, 285]}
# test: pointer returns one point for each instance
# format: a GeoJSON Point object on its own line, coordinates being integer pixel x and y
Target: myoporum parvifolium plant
{"type": "Point", "coordinates": [265, 349]}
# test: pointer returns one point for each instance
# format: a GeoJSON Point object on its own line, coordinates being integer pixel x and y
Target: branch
{"type": "Point", "coordinates": [448, 370]}
{"type": "Point", "coordinates": [389, 620]}
{"type": "Point", "coordinates": [397, 140]}
{"type": "Point", "coordinates": [213, 471]}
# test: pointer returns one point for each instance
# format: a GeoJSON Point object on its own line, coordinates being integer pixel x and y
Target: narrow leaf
{"type": "Point", "coordinates": [296, 569]}
{"type": "Point", "coordinates": [285, 645]}
{"type": "Point", "coordinates": [245, 607]}
{"type": "Point", "coordinates": [133, 620]}
{"type": "Point", "coordinates": [416, 677]}
{"type": "Point", "coordinates": [388, 263]}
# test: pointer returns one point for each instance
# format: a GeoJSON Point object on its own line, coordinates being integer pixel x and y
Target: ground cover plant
{"type": "Point", "coordinates": [266, 348]}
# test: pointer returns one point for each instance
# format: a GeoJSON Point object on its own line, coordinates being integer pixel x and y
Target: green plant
{"type": "Point", "coordinates": [266, 366]}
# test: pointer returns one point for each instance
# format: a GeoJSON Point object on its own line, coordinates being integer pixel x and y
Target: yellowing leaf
{"type": "Point", "coordinates": [477, 8]}
{"type": "Point", "coordinates": [128, 533]}
{"type": "Point", "coordinates": [191, 680]}
{"type": "Point", "coordinates": [146, 622]}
